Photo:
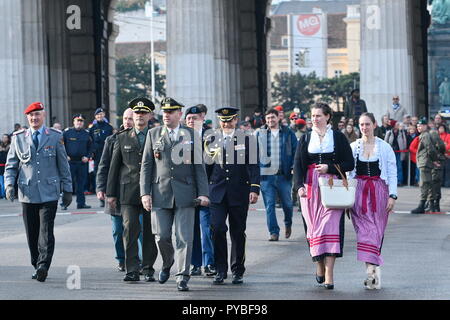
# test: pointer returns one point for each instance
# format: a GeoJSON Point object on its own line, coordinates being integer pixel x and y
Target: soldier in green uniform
{"type": "Point", "coordinates": [427, 160]}
{"type": "Point", "coordinates": [123, 185]}
{"type": "Point", "coordinates": [437, 173]}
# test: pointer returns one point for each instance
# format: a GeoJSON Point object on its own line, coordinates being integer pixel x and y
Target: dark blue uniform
{"type": "Point", "coordinates": [78, 144]}
{"type": "Point", "coordinates": [99, 132]}
{"type": "Point", "coordinates": [230, 185]}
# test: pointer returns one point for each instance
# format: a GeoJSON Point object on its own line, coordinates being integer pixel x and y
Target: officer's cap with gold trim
{"type": "Point", "coordinates": [226, 114]}
{"type": "Point", "coordinates": [169, 104]}
{"type": "Point", "coordinates": [141, 105]}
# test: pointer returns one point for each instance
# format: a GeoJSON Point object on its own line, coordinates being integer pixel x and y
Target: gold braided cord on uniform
{"type": "Point", "coordinates": [227, 118]}
{"type": "Point", "coordinates": [255, 185]}
{"type": "Point", "coordinates": [172, 107]}
{"type": "Point", "coordinates": [210, 153]}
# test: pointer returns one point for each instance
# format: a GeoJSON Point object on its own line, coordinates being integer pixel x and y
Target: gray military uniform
{"type": "Point", "coordinates": [42, 172]}
{"type": "Point", "coordinates": [173, 187]}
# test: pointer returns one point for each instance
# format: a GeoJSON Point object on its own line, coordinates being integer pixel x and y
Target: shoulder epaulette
{"type": "Point", "coordinates": [55, 130]}
{"type": "Point", "coordinates": [66, 129]}
{"type": "Point", "coordinates": [19, 132]}
{"type": "Point", "coordinates": [124, 130]}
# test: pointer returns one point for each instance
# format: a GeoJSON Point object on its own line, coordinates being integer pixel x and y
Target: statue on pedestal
{"type": "Point", "coordinates": [444, 92]}
{"type": "Point", "coordinates": [440, 12]}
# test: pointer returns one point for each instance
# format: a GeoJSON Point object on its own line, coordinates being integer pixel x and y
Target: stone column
{"type": "Point", "coordinates": [190, 52]}
{"type": "Point", "coordinates": [11, 75]}
{"type": "Point", "coordinates": [233, 40]}
{"type": "Point", "coordinates": [59, 62]}
{"type": "Point", "coordinates": [386, 55]}
{"type": "Point", "coordinates": [35, 66]}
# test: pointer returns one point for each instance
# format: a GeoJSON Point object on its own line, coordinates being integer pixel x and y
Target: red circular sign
{"type": "Point", "coordinates": [308, 24]}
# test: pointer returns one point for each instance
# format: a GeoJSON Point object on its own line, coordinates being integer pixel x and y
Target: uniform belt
{"type": "Point", "coordinates": [75, 158]}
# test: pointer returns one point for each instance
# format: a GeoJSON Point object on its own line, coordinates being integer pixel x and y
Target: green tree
{"type": "Point", "coordinates": [130, 5]}
{"type": "Point", "coordinates": [294, 90]}
{"type": "Point", "coordinates": [297, 90]}
{"type": "Point", "coordinates": [134, 80]}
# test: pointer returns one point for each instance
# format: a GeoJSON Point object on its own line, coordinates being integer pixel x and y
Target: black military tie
{"type": "Point", "coordinates": [35, 139]}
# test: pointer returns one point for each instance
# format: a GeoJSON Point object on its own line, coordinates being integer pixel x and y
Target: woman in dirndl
{"type": "Point", "coordinates": [317, 154]}
{"type": "Point", "coordinates": [376, 192]}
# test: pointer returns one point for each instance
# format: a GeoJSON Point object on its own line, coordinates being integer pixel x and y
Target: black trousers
{"type": "Point", "coordinates": [131, 230]}
{"type": "Point", "coordinates": [39, 219]}
{"type": "Point", "coordinates": [237, 219]}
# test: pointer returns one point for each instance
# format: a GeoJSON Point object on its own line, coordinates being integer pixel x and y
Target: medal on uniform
{"type": "Point", "coordinates": [157, 154]}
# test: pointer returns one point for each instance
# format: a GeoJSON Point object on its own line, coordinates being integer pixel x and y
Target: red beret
{"type": "Point", "coordinates": [293, 115]}
{"type": "Point", "coordinates": [300, 121]}
{"type": "Point", "coordinates": [279, 108]}
{"type": "Point", "coordinates": [35, 106]}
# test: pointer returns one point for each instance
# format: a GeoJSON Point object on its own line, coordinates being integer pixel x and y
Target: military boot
{"type": "Point", "coordinates": [428, 205]}
{"type": "Point", "coordinates": [436, 206]}
{"type": "Point", "coordinates": [420, 208]}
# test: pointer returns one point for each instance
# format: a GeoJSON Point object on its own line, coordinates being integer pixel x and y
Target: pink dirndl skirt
{"type": "Point", "coordinates": [370, 218]}
{"type": "Point", "coordinates": [324, 227]}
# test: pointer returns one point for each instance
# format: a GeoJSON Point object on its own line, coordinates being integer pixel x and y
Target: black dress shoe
{"type": "Point", "coordinates": [121, 267]}
{"type": "Point", "coordinates": [83, 206]}
{"type": "Point", "coordinates": [149, 277]}
{"type": "Point", "coordinates": [329, 286]}
{"type": "Point", "coordinates": [102, 203]}
{"type": "Point", "coordinates": [132, 276]}
{"type": "Point", "coordinates": [182, 286]}
{"type": "Point", "coordinates": [63, 208]}
{"type": "Point", "coordinates": [210, 271]}
{"type": "Point", "coordinates": [237, 279]}
{"type": "Point", "coordinates": [320, 279]}
{"type": "Point", "coordinates": [164, 275]}
{"type": "Point", "coordinates": [196, 271]}
{"type": "Point", "coordinates": [41, 274]}
{"type": "Point", "coordinates": [220, 276]}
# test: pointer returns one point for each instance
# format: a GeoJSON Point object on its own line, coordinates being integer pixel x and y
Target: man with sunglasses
{"type": "Point", "coordinates": [79, 146]}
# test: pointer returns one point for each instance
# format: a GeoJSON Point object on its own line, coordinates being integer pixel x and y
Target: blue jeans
{"type": "Point", "coordinates": [117, 232]}
{"type": "Point", "coordinates": [202, 248]}
{"type": "Point", "coordinates": [270, 186]}
{"type": "Point", "coordinates": [399, 168]}
{"type": "Point", "coordinates": [2, 187]}
{"type": "Point", "coordinates": [207, 244]}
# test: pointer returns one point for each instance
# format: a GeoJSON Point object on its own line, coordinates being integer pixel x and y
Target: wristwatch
{"type": "Point", "coordinates": [393, 196]}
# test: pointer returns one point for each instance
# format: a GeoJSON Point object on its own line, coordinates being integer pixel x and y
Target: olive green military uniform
{"type": "Point", "coordinates": [426, 155]}
{"type": "Point", "coordinates": [123, 183]}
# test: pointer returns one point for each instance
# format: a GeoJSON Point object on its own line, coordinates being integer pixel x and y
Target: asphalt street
{"type": "Point", "coordinates": [416, 251]}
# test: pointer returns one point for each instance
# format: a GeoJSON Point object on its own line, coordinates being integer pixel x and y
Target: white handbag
{"type": "Point", "coordinates": [336, 193]}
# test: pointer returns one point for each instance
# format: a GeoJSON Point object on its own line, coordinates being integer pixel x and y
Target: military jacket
{"type": "Point", "coordinates": [41, 173]}
{"type": "Point", "coordinates": [124, 171]}
{"type": "Point", "coordinates": [173, 173]}
{"type": "Point", "coordinates": [234, 176]}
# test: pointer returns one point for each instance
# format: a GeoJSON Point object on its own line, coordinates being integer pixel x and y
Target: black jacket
{"type": "Point", "coordinates": [342, 156]}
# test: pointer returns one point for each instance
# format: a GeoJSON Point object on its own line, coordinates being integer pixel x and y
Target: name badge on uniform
{"type": "Point", "coordinates": [73, 139]}
{"type": "Point", "coordinates": [239, 147]}
{"type": "Point", "coordinates": [127, 147]}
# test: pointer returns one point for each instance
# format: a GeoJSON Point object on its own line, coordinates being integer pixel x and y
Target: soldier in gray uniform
{"type": "Point", "coordinates": [38, 159]}
{"type": "Point", "coordinates": [169, 188]}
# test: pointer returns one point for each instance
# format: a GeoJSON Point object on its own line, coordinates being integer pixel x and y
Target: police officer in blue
{"type": "Point", "coordinates": [99, 131]}
{"type": "Point", "coordinates": [234, 177]}
{"type": "Point", "coordinates": [38, 160]}
{"type": "Point", "coordinates": [78, 145]}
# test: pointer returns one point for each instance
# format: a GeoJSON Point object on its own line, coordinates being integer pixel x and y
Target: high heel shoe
{"type": "Point", "coordinates": [320, 279]}
{"type": "Point", "coordinates": [329, 286]}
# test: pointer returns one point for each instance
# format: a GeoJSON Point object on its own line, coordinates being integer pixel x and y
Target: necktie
{"type": "Point", "coordinates": [35, 139]}
{"type": "Point", "coordinates": [141, 138]}
{"type": "Point", "coordinates": [172, 136]}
